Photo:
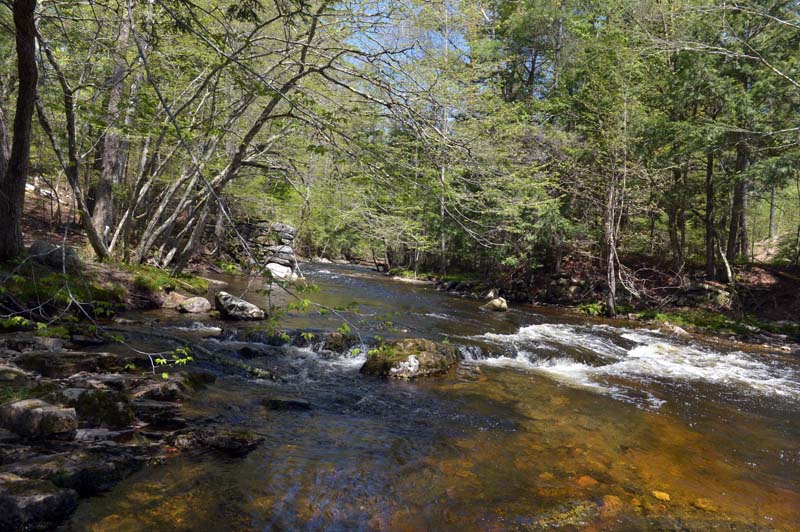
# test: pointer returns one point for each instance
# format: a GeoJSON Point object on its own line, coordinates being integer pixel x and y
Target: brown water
{"type": "Point", "coordinates": [555, 422]}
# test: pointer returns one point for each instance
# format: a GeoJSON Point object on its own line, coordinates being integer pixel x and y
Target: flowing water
{"type": "Point", "coordinates": [553, 422]}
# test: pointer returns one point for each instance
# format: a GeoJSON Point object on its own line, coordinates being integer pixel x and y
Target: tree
{"type": "Point", "coordinates": [15, 168]}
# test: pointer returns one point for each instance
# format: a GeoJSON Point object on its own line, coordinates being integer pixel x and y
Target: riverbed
{"type": "Point", "coordinates": [553, 421]}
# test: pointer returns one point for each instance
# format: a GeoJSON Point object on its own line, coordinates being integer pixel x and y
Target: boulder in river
{"type": "Point", "coordinates": [36, 419]}
{"type": "Point", "coordinates": [235, 308]}
{"type": "Point", "coordinates": [410, 358]}
{"type": "Point", "coordinates": [497, 304]}
{"type": "Point", "coordinates": [195, 305]}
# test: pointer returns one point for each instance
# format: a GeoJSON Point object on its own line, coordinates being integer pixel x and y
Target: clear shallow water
{"type": "Point", "coordinates": [553, 420]}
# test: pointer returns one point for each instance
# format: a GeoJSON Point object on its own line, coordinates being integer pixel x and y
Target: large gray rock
{"type": "Point", "coordinates": [36, 419]}
{"type": "Point", "coordinates": [33, 504]}
{"type": "Point", "coordinates": [54, 255]}
{"type": "Point", "coordinates": [195, 305]}
{"type": "Point", "coordinates": [410, 358]}
{"type": "Point", "coordinates": [235, 308]}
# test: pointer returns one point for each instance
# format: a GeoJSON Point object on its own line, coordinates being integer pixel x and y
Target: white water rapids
{"type": "Point", "coordinates": [588, 356]}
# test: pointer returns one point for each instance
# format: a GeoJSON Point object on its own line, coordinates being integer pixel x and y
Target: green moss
{"type": "Point", "coordinates": [153, 279]}
{"type": "Point", "coordinates": [57, 290]}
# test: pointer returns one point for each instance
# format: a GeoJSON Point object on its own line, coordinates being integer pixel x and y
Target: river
{"type": "Point", "coordinates": [554, 421]}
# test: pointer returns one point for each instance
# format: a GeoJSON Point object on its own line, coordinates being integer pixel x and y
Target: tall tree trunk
{"type": "Point", "coordinates": [113, 152]}
{"type": "Point", "coordinates": [676, 220]}
{"type": "Point", "coordinates": [12, 182]}
{"type": "Point", "coordinates": [711, 269]}
{"type": "Point", "coordinates": [738, 203]}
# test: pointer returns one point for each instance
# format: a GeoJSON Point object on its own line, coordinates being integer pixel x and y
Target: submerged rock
{"type": "Point", "coordinates": [235, 308]}
{"type": "Point", "coordinates": [410, 358]}
{"type": "Point", "coordinates": [36, 419]}
{"type": "Point", "coordinates": [497, 304]}
{"type": "Point", "coordinates": [195, 305]}
{"type": "Point", "coordinates": [286, 403]}
{"type": "Point", "coordinates": [232, 442]}
{"type": "Point", "coordinates": [33, 504]}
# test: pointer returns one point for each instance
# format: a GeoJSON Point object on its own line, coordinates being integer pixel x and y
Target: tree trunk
{"type": "Point", "coordinates": [113, 153]}
{"type": "Point", "coordinates": [12, 182]}
{"type": "Point", "coordinates": [711, 269]}
{"type": "Point", "coordinates": [738, 204]}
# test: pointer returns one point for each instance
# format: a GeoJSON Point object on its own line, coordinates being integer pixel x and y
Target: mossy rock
{"type": "Point", "coordinates": [410, 358]}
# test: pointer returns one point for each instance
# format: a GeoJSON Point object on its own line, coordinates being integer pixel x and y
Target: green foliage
{"type": "Point", "coordinates": [592, 309]}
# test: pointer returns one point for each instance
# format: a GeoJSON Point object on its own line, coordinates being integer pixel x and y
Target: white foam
{"type": "Point", "coordinates": [653, 357]}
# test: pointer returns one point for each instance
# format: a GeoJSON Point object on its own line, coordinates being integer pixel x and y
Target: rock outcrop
{"type": "Point", "coordinates": [271, 244]}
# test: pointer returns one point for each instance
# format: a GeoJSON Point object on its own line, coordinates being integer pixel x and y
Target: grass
{"type": "Point", "coordinates": [152, 279]}
{"type": "Point", "coordinates": [37, 286]}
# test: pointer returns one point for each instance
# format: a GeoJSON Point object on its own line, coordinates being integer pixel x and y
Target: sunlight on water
{"type": "Point", "coordinates": [546, 426]}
